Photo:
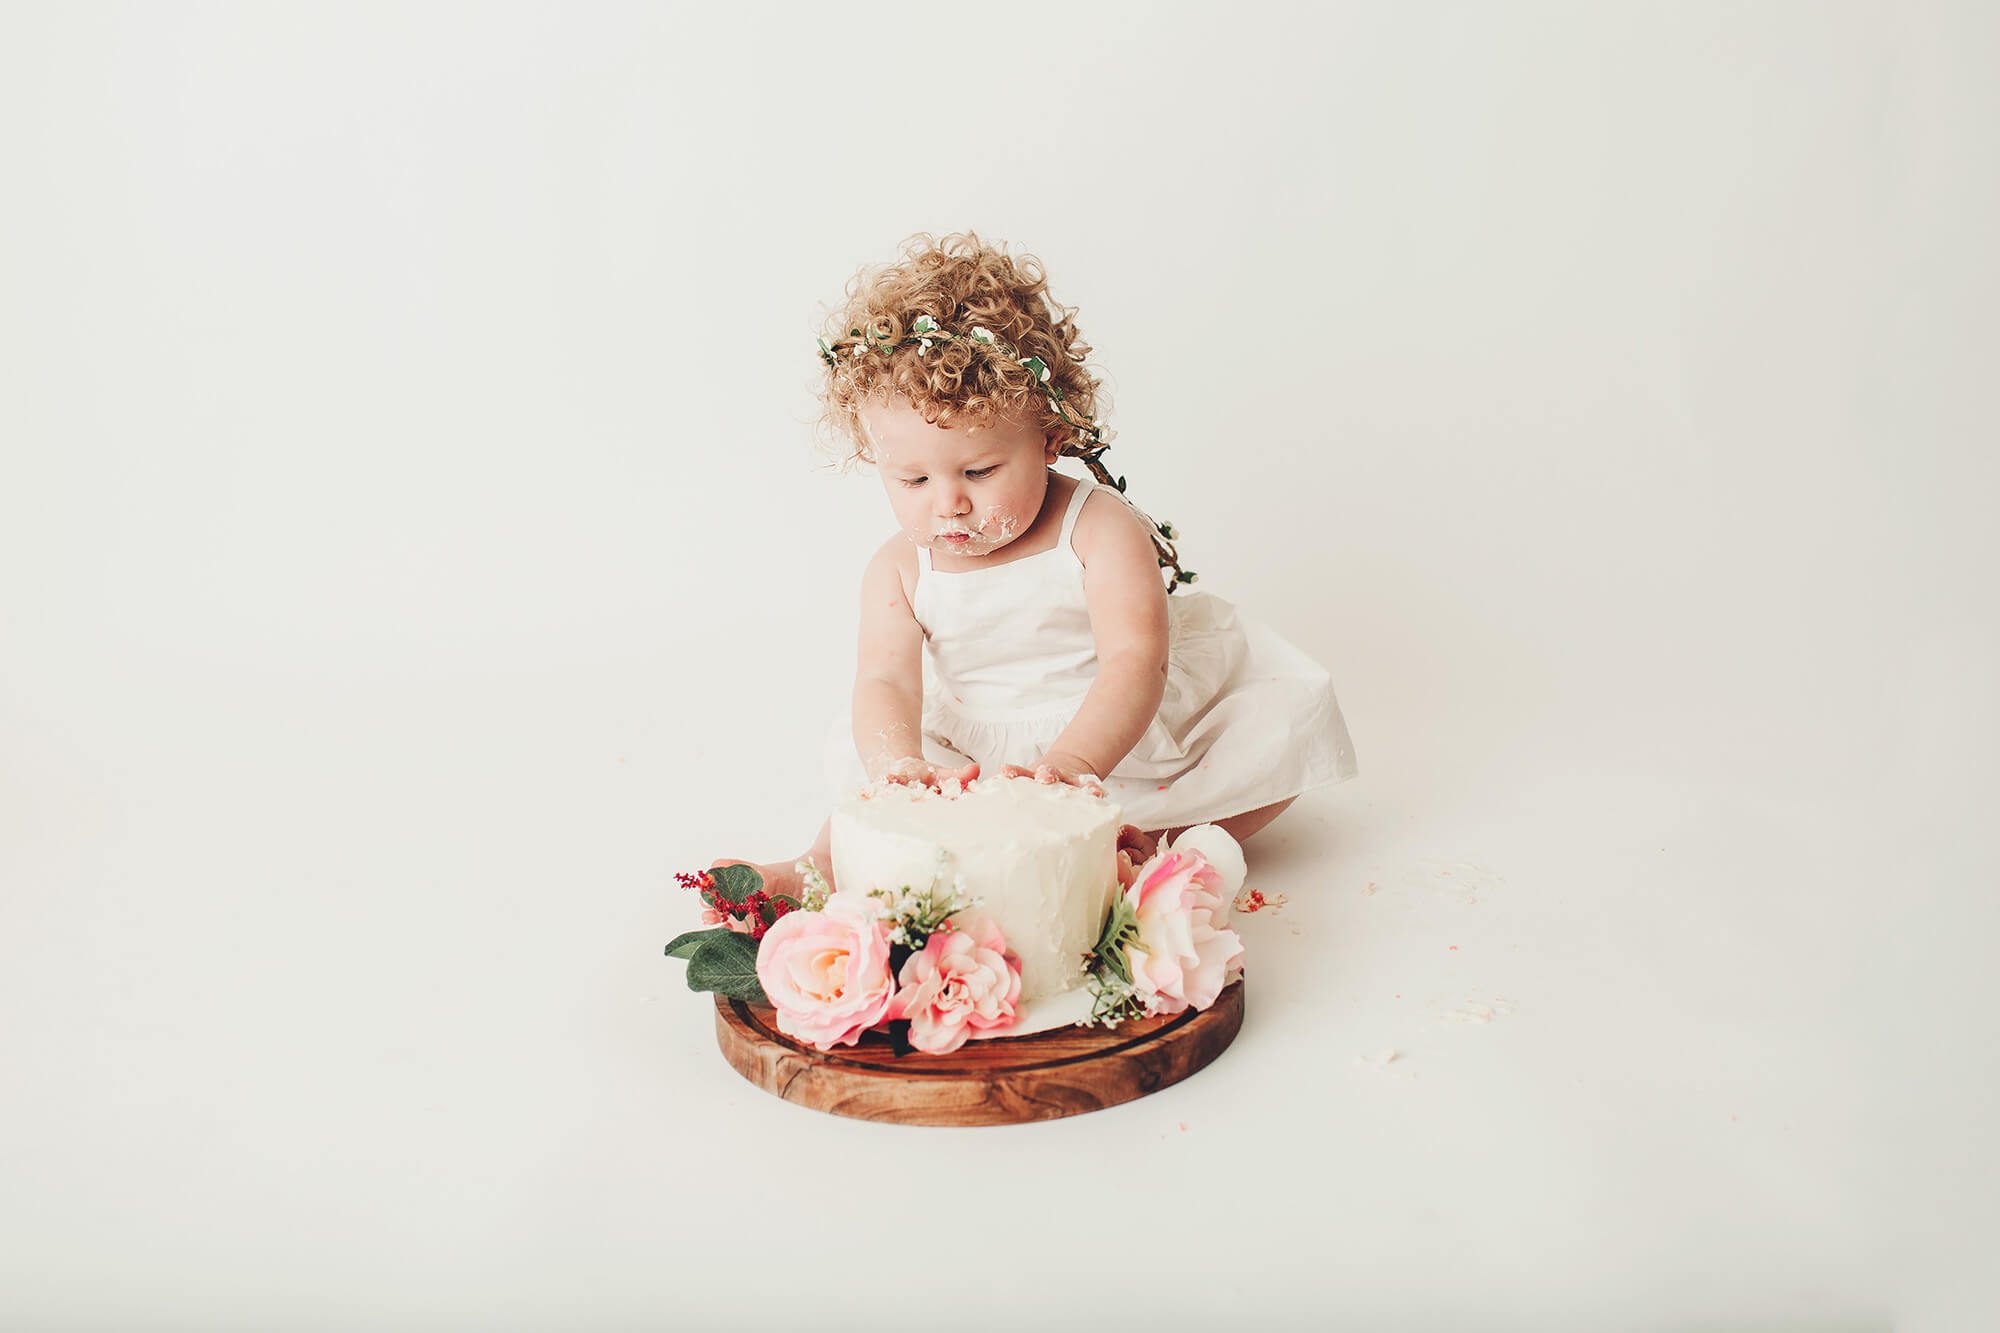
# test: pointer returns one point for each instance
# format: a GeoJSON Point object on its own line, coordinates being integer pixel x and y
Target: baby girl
{"type": "Point", "coordinates": [1024, 622]}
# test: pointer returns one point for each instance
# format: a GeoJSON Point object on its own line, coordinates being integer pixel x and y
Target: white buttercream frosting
{"type": "Point", "coordinates": [1039, 858]}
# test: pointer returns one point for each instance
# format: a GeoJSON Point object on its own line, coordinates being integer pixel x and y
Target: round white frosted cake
{"type": "Point", "coordinates": [1039, 859]}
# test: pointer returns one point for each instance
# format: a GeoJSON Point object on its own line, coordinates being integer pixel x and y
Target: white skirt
{"type": "Point", "coordinates": [1247, 720]}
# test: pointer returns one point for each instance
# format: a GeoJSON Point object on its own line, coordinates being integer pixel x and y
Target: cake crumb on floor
{"type": "Point", "coordinates": [1480, 1011]}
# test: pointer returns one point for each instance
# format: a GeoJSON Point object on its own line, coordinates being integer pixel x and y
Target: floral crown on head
{"type": "Point", "coordinates": [1092, 437]}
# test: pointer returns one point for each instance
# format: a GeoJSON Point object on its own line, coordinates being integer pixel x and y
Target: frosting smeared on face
{"type": "Point", "coordinates": [994, 528]}
{"type": "Point", "coordinates": [966, 492]}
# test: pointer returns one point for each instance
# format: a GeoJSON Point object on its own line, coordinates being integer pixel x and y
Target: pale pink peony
{"type": "Point", "coordinates": [827, 972]}
{"type": "Point", "coordinates": [1221, 878]}
{"type": "Point", "coordinates": [1223, 882]}
{"type": "Point", "coordinates": [1185, 953]}
{"type": "Point", "coordinates": [962, 979]}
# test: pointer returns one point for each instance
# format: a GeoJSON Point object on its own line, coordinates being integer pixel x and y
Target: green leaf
{"type": "Point", "coordinates": [727, 965]}
{"type": "Point", "coordinates": [771, 907]}
{"type": "Point", "coordinates": [1121, 927]}
{"type": "Point", "coordinates": [736, 882]}
{"type": "Point", "coordinates": [684, 946]}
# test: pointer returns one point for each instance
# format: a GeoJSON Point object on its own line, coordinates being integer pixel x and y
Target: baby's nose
{"type": "Point", "coordinates": [953, 503]}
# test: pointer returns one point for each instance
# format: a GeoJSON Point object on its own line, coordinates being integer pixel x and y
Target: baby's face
{"type": "Point", "coordinates": [964, 491]}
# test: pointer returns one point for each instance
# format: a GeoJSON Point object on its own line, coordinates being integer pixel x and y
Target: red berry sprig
{"type": "Point", "coordinates": [754, 908]}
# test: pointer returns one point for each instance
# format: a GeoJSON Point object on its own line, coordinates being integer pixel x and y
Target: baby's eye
{"type": "Point", "coordinates": [984, 472]}
{"type": "Point", "coordinates": [914, 482]}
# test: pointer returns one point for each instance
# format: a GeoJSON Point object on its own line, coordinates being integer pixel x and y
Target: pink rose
{"type": "Point", "coordinates": [827, 972]}
{"type": "Point", "coordinates": [960, 980]}
{"type": "Point", "coordinates": [1183, 952]}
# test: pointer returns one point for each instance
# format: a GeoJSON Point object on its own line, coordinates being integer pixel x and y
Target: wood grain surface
{"type": "Point", "coordinates": [1003, 1081]}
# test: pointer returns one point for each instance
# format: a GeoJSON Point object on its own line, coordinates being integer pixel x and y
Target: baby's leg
{"type": "Point", "coordinates": [1239, 827]}
{"type": "Point", "coordinates": [781, 877]}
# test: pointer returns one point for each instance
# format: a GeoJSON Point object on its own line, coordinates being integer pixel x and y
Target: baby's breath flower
{"type": "Point", "coordinates": [917, 914]}
{"type": "Point", "coordinates": [817, 890]}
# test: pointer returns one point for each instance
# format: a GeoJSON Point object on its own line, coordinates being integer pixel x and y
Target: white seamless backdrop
{"type": "Point", "coordinates": [412, 552]}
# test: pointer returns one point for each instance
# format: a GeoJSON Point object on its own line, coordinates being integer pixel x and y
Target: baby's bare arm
{"type": "Point", "coordinates": [888, 671]}
{"type": "Point", "coordinates": [1128, 619]}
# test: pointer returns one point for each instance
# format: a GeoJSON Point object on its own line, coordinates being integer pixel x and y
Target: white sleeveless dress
{"type": "Point", "coordinates": [1247, 719]}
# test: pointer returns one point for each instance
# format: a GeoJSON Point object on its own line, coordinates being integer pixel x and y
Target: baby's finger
{"type": "Point", "coordinates": [1015, 771]}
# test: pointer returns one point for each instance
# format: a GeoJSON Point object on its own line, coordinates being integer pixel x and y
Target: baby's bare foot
{"type": "Point", "coordinates": [1136, 841]}
{"type": "Point", "coordinates": [779, 876]}
{"type": "Point", "coordinates": [1135, 848]}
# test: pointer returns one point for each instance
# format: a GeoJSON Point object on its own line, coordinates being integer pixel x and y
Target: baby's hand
{"type": "Point", "coordinates": [916, 772]}
{"type": "Point", "coordinates": [1057, 768]}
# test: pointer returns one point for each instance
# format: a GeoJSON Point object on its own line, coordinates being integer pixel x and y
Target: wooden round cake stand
{"type": "Point", "coordinates": [1000, 1081]}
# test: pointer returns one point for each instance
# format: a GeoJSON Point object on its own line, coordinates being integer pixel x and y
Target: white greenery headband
{"type": "Point", "coordinates": [1092, 437]}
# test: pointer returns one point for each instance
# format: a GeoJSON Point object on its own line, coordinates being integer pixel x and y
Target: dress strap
{"type": "Point", "coordinates": [1084, 486]}
{"type": "Point", "coordinates": [923, 560]}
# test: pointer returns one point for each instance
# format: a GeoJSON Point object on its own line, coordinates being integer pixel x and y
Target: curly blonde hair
{"type": "Point", "coordinates": [961, 282]}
